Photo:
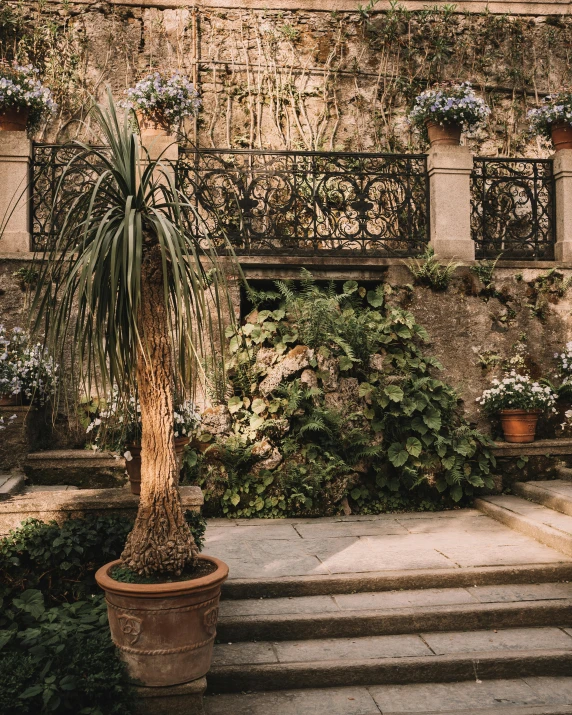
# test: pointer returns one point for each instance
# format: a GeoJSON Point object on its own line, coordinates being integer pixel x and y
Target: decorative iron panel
{"type": "Point", "coordinates": [48, 164]}
{"type": "Point", "coordinates": [512, 208]}
{"type": "Point", "coordinates": [309, 203]}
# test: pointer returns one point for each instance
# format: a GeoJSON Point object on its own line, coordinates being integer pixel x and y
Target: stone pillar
{"type": "Point", "coordinates": [15, 192]}
{"type": "Point", "coordinates": [161, 145]}
{"type": "Point", "coordinates": [562, 168]}
{"type": "Point", "coordinates": [449, 169]}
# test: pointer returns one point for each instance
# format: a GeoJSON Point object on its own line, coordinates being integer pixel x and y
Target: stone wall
{"type": "Point", "coordinates": [298, 78]}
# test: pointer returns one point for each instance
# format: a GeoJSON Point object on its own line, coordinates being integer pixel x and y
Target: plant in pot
{"type": "Point", "coordinates": [162, 103]}
{"type": "Point", "coordinates": [117, 427]}
{"type": "Point", "coordinates": [553, 120]}
{"type": "Point", "coordinates": [519, 402]}
{"type": "Point", "coordinates": [124, 287]}
{"type": "Point", "coordinates": [24, 101]}
{"type": "Point", "coordinates": [443, 112]}
{"type": "Point", "coordinates": [28, 375]}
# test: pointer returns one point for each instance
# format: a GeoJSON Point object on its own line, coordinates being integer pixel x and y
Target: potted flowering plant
{"type": "Point", "coordinates": [162, 103]}
{"type": "Point", "coordinates": [443, 112]}
{"type": "Point", "coordinates": [519, 402]}
{"type": "Point", "coordinates": [117, 427]}
{"type": "Point", "coordinates": [27, 373]}
{"type": "Point", "coordinates": [24, 100]}
{"type": "Point", "coordinates": [554, 119]}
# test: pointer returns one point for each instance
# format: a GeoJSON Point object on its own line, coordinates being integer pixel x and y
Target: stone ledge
{"type": "Point", "coordinates": [184, 699]}
{"type": "Point", "coordinates": [541, 447]}
{"type": "Point", "coordinates": [60, 505]}
{"type": "Point", "coordinates": [77, 467]}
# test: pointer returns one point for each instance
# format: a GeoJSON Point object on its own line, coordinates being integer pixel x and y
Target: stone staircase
{"type": "Point", "coordinates": [472, 641]}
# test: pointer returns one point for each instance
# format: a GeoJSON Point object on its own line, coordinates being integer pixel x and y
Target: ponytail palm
{"type": "Point", "coordinates": [125, 285]}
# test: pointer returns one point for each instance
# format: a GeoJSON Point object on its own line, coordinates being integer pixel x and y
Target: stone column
{"type": "Point", "coordinates": [15, 192]}
{"type": "Point", "coordinates": [449, 169]}
{"type": "Point", "coordinates": [562, 168]}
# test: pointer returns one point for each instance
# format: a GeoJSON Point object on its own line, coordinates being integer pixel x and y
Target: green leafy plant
{"type": "Point", "coordinates": [427, 270]}
{"type": "Point", "coordinates": [334, 402]}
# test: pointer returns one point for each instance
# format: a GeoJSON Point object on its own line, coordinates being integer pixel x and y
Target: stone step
{"type": "Point", "coordinates": [61, 504]}
{"type": "Point", "coordinates": [394, 612]}
{"type": "Point", "coordinates": [519, 696]}
{"type": "Point", "coordinates": [554, 494]}
{"type": "Point", "coordinates": [412, 579]}
{"type": "Point", "coordinates": [394, 659]}
{"type": "Point", "coordinates": [564, 473]}
{"type": "Point", "coordinates": [10, 484]}
{"type": "Point", "coordinates": [539, 522]}
{"type": "Point", "coordinates": [81, 468]}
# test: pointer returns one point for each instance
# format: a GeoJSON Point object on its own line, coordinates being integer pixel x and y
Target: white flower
{"type": "Point", "coordinates": [128, 456]}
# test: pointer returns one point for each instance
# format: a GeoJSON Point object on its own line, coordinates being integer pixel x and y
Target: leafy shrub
{"type": "Point", "coordinates": [334, 405]}
{"type": "Point", "coordinates": [56, 653]}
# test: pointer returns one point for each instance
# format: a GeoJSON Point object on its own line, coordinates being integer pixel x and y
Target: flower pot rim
{"type": "Point", "coordinates": [520, 411]}
{"type": "Point", "coordinates": [161, 590]}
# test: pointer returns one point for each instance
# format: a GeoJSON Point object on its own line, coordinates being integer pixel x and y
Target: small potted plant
{"type": "Point", "coordinates": [554, 120]}
{"type": "Point", "coordinates": [442, 113]}
{"type": "Point", "coordinates": [24, 101]}
{"type": "Point", "coordinates": [118, 429]}
{"type": "Point", "coordinates": [28, 375]}
{"type": "Point", "coordinates": [519, 402]}
{"type": "Point", "coordinates": [161, 103]}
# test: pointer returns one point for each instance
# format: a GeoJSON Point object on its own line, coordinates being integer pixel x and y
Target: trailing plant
{"type": "Point", "coordinates": [547, 288]}
{"type": "Point", "coordinates": [26, 370]}
{"type": "Point", "coordinates": [166, 101]}
{"type": "Point", "coordinates": [449, 104]}
{"type": "Point", "coordinates": [20, 89]}
{"type": "Point", "coordinates": [427, 270]}
{"type": "Point", "coordinates": [334, 405]}
{"type": "Point", "coordinates": [555, 109]}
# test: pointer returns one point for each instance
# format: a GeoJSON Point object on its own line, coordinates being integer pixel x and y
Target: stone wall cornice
{"type": "Point", "coordinates": [514, 7]}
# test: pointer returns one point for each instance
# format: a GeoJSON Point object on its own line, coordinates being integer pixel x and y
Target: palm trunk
{"type": "Point", "coordinates": [160, 541]}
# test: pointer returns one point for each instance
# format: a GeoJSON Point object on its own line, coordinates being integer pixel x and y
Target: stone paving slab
{"type": "Point", "coordinates": [525, 695]}
{"type": "Point", "coordinates": [459, 539]}
{"type": "Point", "coordinates": [519, 639]}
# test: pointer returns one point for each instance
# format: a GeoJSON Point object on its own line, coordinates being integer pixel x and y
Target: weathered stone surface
{"type": "Point", "coordinates": [294, 361]}
{"type": "Point", "coordinates": [216, 420]}
{"type": "Point", "coordinates": [60, 505]}
{"type": "Point", "coordinates": [81, 468]}
{"type": "Point", "coordinates": [20, 436]}
{"type": "Point", "coordinates": [185, 699]}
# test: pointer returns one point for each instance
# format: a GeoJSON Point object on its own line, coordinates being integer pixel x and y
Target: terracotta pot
{"type": "Point", "coordinates": [155, 126]}
{"type": "Point", "coordinates": [133, 466]}
{"type": "Point", "coordinates": [444, 134]}
{"type": "Point", "coordinates": [9, 400]}
{"type": "Point", "coordinates": [13, 120]}
{"type": "Point", "coordinates": [165, 632]}
{"type": "Point", "coordinates": [519, 425]}
{"type": "Point", "coordinates": [561, 136]}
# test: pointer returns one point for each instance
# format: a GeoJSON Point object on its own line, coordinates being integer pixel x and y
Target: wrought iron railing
{"type": "Point", "coordinates": [264, 202]}
{"type": "Point", "coordinates": [512, 208]}
{"type": "Point", "coordinates": [48, 164]}
{"type": "Point", "coordinates": [308, 203]}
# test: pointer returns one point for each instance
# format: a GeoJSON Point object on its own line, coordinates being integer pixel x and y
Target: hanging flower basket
{"type": "Point", "coordinates": [24, 101]}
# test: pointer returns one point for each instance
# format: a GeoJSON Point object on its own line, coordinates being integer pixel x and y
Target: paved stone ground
{"type": "Point", "coordinates": [468, 697]}
{"type": "Point", "coordinates": [259, 548]}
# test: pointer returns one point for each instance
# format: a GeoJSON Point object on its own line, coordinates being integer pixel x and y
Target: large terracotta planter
{"type": "Point", "coordinates": [444, 134]}
{"type": "Point", "coordinates": [165, 632]}
{"type": "Point", "coordinates": [133, 466]}
{"type": "Point", "coordinates": [519, 425]}
{"type": "Point", "coordinates": [13, 120]}
{"type": "Point", "coordinates": [561, 136]}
